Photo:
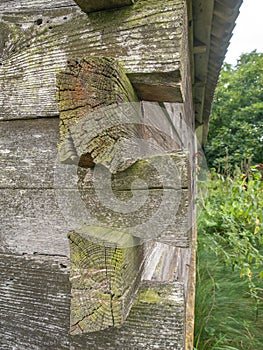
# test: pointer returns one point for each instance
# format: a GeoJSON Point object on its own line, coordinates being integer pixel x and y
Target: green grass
{"type": "Point", "coordinates": [229, 294]}
{"type": "Point", "coordinates": [227, 316]}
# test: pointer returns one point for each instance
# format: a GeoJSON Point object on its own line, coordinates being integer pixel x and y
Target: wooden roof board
{"type": "Point", "coordinates": [214, 22]}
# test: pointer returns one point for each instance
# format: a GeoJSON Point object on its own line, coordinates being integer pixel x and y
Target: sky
{"type": "Point", "coordinates": [248, 33]}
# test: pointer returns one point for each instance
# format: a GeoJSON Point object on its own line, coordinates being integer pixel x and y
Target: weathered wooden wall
{"type": "Point", "coordinates": [35, 304]}
{"type": "Point", "coordinates": [38, 38]}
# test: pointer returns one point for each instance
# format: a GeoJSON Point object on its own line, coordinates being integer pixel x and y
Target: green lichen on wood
{"type": "Point", "coordinates": [127, 34]}
{"type": "Point", "coordinates": [104, 278]}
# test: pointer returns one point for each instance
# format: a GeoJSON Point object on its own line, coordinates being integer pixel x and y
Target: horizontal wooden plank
{"type": "Point", "coordinates": [34, 302]}
{"type": "Point", "coordinates": [97, 5]}
{"type": "Point", "coordinates": [161, 214]}
{"type": "Point", "coordinates": [37, 220]}
{"type": "Point", "coordinates": [28, 153]}
{"type": "Point", "coordinates": [32, 222]}
{"type": "Point", "coordinates": [36, 47]}
{"type": "Point", "coordinates": [29, 159]}
{"type": "Point", "coordinates": [31, 6]}
{"type": "Point", "coordinates": [168, 171]}
{"type": "Point", "coordinates": [41, 200]}
{"type": "Point", "coordinates": [35, 305]}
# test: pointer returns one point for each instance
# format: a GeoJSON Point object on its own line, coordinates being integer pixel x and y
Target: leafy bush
{"type": "Point", "coordinates": [236, 122]}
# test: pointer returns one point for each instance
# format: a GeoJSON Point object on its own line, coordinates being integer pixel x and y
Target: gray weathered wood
{"type": "Point", "coordinates": [146, 325]}
{"type": "Point", "coordinates": [106, 270]}
{"type": "Point", "coordinates": [35, 311]}
{"type": "Point", "coordinates": [32, 222]}
{"type": "Point", "coordinates": [97, 5]}
{"type": "Point", "coordinates": [162, 215]}
{"type": "Point", "coordinates": [159, 126]}
{"type": "Point", "coordinates": [28, 153]}
{"type": "Point", "coordinates": [168, 263]}
{"type": "Point", "coordinates": [34, 302]}
{"type": "Point", "coordinates": [29, 159]}
{"type": "Point", "coordinates": [30, 7]}
{"type": "Point", "coordinates": [168, 171]}
{"type": "Point", "coordinates": [34, 52]}
{"type": "Point", "coordinates": [38, 202]}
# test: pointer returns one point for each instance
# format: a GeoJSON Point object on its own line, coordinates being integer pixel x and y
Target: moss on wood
{"type": "Point", "coordinates": [104, 277]}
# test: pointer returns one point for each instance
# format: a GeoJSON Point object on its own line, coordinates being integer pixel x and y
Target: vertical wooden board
{"type": "Point", "coordinates": [160, 127]}
{"type": "Point", "coordinates": [168, 263]}
{"type": "Point", "coordinates": [34, 302]}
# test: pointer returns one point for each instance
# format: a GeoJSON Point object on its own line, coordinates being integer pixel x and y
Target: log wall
{"type": "Point", "coordinates": [38, 202]}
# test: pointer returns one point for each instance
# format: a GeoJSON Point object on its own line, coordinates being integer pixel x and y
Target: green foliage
{"type": "Point", "coordinates": [232, 217]}
{"type": "Point", "coordinates": [236, 123]}
{"type": "Point", "coordinates": [229, 301]}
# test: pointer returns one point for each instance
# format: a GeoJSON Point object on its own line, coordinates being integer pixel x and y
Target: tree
{"type": "Point", "coordinates": [236, 125]}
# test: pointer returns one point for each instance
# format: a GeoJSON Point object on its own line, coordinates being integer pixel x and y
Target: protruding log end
{"type": "Point", "coordinates": [97, 5]}
{"type": "Point", "coordinates": [105, 275]}
{"type": "Point", "coordinates": [92, 125]}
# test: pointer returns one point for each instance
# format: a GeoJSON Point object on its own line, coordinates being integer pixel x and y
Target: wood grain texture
{"type": "Point", "coordinates": [8, 7]}
{"type": "Point", "coordinates": [32, 222]}
{"type": "Point", "coordinates": [97, 5]}
{"type": "Point", "coordinates": [38, 41]}
{"type": "Point", "coordinates": [28, 153]}
{"type": "Point", "coordinates": [161, 215]}
{"type": "Point", "coordinates": [155, 321]}
{"type": "Point", "coordinates": [41, 202]}
{"type": "Point", "coordinates": [91, 125]}
{"type": "Point", "coordinates": [34, 302]}
{"type": "Point", "coordinates": [35, 310]}
{"type": "Point", "coordinates": [168, 263]}
{"type": "Point", "coordinates": [167, 171]}
{"type": "Point", "coordinates": [104, 277]}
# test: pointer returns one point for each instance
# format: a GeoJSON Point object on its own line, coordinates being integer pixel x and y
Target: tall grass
{"type": "Point", "coordinates": [229, 295]}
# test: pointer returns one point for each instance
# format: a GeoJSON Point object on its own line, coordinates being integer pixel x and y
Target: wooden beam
{"type": "Point", "coordinates": [106, 269]}
{"type": "Point", "coordinates": [35, 51]}
{"type": "Point", "coordinates": [148, 170]}
{"type": "Point", "coordinates": [97, 5]}
{"type": "Point", "coordinates": [28, 153]}
{"type": "Point", "coordinates": [199, 47]}
{"type": "Point", "coordinates": [157, 208]}
{"type": "Point", "coordinates": [89, 85]}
